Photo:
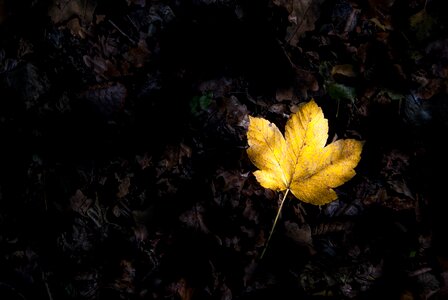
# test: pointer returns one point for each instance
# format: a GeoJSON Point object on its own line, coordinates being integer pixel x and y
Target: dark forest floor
{"type": "Point", "coordinates": [124, 172]}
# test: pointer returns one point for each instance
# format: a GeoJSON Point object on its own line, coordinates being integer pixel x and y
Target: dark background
{"type": "Point", "coordinates": [123, 171]}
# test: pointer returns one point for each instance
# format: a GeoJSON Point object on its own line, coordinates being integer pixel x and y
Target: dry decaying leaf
{"type": "Point", "coordinates": [300, 162]}
{"type": "Point", "coordinates": [302, 15]}
{"type": "Point", "coordinates": [63, 10]}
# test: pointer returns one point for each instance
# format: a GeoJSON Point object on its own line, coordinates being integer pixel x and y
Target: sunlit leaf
{"type": "Point", "coordinates": [301, 161]}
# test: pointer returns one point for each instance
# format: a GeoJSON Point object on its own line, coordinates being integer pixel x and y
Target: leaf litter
{"type": "Point", "coordinates": [102, 200]}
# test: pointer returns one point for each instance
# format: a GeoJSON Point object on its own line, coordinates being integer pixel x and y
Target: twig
{"type": "Point", "coordinates": [122, 32]}
{"type": "Point", "coordinates": [301, 22]}
{"type": "Point", "coordinates": [47, 287]}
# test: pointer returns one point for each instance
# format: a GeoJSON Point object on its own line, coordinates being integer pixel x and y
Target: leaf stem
{"type": "Point", "coordinates": [275, 223]}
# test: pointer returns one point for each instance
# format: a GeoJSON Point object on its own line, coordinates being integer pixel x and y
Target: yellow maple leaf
{"type": "Point", "coordinates": [301, 162]}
